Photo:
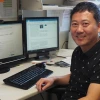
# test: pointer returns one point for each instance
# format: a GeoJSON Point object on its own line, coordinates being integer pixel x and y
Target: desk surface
{"type": "Point", "coordinates": [12, 93]}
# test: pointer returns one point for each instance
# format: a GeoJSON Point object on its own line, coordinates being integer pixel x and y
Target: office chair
{"type": "Point", "coordinates": [57, 90]}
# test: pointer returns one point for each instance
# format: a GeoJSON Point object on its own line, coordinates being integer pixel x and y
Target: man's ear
{"type": "Point", "coordinates": [99, 27]}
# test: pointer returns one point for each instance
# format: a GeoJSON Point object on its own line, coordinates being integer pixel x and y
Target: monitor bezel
{"type": "Point", "coordinates": [11, 60]}
{"type": "Point", "coordinates": [45, 49]}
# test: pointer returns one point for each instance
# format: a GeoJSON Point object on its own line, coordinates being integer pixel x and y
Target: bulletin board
{"type": "Point", "coordinates": [8, 10]}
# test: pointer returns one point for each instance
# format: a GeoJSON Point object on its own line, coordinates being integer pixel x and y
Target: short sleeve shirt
{"type": "Point", "coordinates": [85, 69]}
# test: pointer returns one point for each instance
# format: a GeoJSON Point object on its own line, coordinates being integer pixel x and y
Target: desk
{"type": "Point", "coordinates": [12, 93]}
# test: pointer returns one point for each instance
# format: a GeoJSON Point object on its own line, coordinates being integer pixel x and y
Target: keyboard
{"type": "Point", "coordinates": [28, 77]}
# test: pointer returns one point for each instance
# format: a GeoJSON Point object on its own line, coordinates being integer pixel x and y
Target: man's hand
{"type": "Point", "coordinates": [44, 83]}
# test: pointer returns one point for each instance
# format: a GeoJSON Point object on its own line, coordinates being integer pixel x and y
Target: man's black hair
{"type": "Point", "coordinates": [89, 6]}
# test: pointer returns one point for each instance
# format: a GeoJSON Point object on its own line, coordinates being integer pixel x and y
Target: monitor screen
{"type": "Point", "coordinates": [11, 44]}
{"type": "Point", "coordinates": [42, 35]}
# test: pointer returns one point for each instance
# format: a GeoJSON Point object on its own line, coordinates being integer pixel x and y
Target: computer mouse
{"type": "Point", "coordinates": [42, 65]}
{"type": "Point", "coordinates": [62, 64]}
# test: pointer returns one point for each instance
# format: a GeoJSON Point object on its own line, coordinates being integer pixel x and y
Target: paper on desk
{"type": "Point", "coordinates": [67, 60]}
{"type": "Point", "coordinates": [65, 52]}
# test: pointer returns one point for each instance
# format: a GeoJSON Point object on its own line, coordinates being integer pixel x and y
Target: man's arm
{"type": "Point", "coordinates": [62, 79]}
{"type": "Point", "coordinates": [59, 80]}
{"type": "Point", "coordinates": [93, 92]}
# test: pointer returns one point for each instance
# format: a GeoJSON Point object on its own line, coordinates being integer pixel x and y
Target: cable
{"type": "Point", "coordinates": [64, 44]}
{"type": "Point", "coordinates": [41, 96]}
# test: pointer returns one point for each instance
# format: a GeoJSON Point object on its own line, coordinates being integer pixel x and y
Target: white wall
{"type": "Point", "coordinates": [71, 43]}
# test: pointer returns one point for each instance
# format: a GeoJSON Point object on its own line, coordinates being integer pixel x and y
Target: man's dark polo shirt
{"type": "Point", "coordinates": [85, 69]}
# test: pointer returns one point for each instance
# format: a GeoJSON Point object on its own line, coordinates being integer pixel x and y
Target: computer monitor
{"type": "Point", "coordinates": [11, 44]}
{"type": "Point", "coordinates": [42, 35]}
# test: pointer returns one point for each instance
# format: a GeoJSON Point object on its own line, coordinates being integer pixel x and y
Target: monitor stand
{"type": "Point", "coordinates": [6, 67]}
{"type": "Point", "coordinates": [42, 56]}
{"type": "Point", "coordinates": [4, 70]}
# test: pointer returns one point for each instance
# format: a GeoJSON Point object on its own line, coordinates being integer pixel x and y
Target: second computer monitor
{"type": "Point", "coordinates": [11, 45]}
{"type": "Point", "coordinates": [42, 35]}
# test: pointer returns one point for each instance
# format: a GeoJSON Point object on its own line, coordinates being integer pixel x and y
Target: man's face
{"type": "Point", "coordinates": [84, 29]}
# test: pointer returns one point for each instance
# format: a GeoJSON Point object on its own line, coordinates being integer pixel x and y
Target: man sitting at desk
{"type": "Point", "coordinates": [84, 79]}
